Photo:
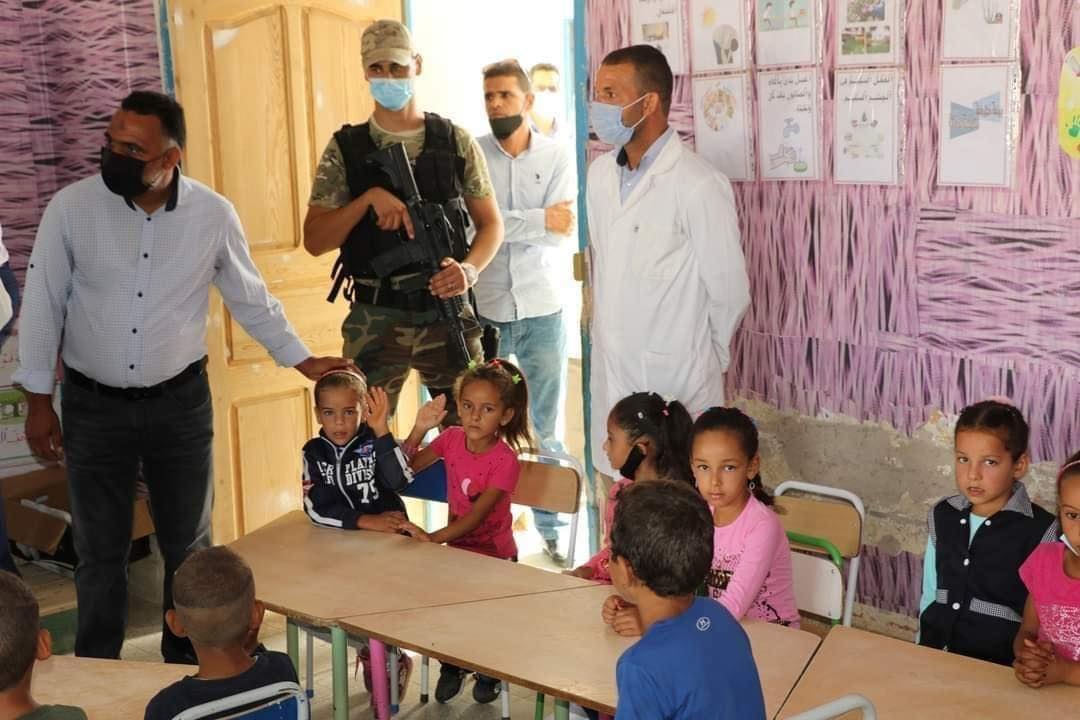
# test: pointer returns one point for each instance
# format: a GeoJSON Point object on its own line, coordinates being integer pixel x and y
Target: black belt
{"type": "Point", "coordinates": [413, 301]}
{"type": "Point", "coordinates": [189, 373]}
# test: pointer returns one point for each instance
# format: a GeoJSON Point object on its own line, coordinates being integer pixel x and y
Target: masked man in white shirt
{"type": "Point", "coordinates": [519, 291]}
{"type": "Point", "coordinates": [118, 288]}
{"type": "Point", "coordinates": [668, 277]}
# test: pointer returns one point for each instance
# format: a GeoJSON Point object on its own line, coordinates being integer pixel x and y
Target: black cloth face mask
{"type": "Point", "coordinates": [123, 174]}
{"type": "Point", "coordinates": [504, 127]}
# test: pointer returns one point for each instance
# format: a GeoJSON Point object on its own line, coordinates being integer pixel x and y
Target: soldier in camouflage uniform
{"type": "Point", "coordinates": [393, 323]}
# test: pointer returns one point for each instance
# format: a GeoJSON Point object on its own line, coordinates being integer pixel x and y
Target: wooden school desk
{"type": "Point", "coordinates": [907, 681]}
{"type": "Point", "coordinates": [105, 689]}
{"type": "Point", "coordinates": [556, 643]}
{"type": "Point", "coordinates": [319, 575]}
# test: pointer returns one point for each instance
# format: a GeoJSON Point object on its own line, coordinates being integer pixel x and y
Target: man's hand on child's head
{"type": "Point", "coordinates": [378, 411]}
{"type": "Point", "coordinates": [431, 414]}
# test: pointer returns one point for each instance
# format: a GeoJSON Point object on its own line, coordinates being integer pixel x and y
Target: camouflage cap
{"type": "Point", "coordinates": [386, 40]}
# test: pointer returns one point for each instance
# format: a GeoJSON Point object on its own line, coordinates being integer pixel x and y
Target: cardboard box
{"type": "Point", "coordinates": [43, 530]}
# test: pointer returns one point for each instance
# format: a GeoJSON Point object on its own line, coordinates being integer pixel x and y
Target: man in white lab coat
{"type": "Point", "coordinates": [668, 277]}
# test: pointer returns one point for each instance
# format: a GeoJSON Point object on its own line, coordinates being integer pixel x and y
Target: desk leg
{"type": "Point", "coordinates": [562, 709]}
{"type": "Point", "coordinates": [292, 643]}
{"type": "Point", "coordinates": [339, 649]}
{"type": "Point", "coordinates": [539, 713]}
{"type": "Point", "coordinates": [395, 658]}
{"type": "Point", "coordinates": [379, 681]}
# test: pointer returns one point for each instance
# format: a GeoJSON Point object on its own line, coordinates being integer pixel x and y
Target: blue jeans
{"type": "Point", "coordinates": [11, 285]}
{"type": "Point", "coordinates": [538, 344]}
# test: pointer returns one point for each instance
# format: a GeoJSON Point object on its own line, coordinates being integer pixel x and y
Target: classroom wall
{"type": "Point", "coordinates": [879, 312]}
{"type": "Point", "coordinates": [64, 67]}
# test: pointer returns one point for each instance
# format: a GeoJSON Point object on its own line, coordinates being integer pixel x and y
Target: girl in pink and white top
{"type": "Point", "coordinates": [647, 440]}
{"type": "Point", "coordinates": [1047, 647]}
{"type": "Point", "coordinates": [481, 474]}
{"type": "Point", "coordinates": [751, 573]}
{"type": "Point", "coordinates": [480, 456]}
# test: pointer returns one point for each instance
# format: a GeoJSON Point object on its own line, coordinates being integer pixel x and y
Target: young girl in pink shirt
{"type": "Point", "coordinates": [647, 440]}
{"type": "Point", "coordinates": [481, 474]}
{"type": "Point", "coordinates": [1048, 645]}
{"type": "Point", "coordinates": [751, 573]}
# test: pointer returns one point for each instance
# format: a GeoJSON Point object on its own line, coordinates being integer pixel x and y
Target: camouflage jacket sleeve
{"type": "Point", "coordinates": [477, 180]}
{"type": "Point", "coordinates": [330, 189]}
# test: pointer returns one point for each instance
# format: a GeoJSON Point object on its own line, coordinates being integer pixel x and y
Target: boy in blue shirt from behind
{"type": "Point", "coordinates": [694, 659]}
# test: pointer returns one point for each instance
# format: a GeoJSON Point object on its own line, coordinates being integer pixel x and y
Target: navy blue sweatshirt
{"type": "Point", "coordinates": [362, 477]}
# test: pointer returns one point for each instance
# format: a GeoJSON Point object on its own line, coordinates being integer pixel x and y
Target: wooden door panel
{"type": "Point", "coordinates": [250, 116]}
{"type": "Point", "coordinates": [267, 481]}
{"type": "Point", "coordinates": [337, 92]}
{"type": "Point", "coordinates": [264, 85]}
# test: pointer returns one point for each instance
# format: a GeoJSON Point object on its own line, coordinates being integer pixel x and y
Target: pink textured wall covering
{"type": "Point", "coordinates": [64, 67]}
{"type": "Point", "coordinates": [891, 303]}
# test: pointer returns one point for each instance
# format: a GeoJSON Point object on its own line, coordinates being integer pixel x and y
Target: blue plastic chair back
{"type": "Point", "coordinates": [429, 483]}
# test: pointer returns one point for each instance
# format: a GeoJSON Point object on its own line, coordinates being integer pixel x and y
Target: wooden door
{"type": "Point", "coordinates": [264, 84]}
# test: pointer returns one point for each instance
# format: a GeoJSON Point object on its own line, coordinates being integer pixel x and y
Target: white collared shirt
{"type": "Point", "coordinates": [523, 279]}
{"type": "Point", "coordinates": [124, 296]}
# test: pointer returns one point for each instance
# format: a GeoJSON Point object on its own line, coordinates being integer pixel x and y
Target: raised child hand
{"type": "Point", "coordinates": [431, 414]}
{"type": "Point", "coordinates": [378, 413]}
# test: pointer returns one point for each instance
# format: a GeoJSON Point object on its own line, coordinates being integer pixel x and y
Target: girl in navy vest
{"type": "Point", "coordinates": [1048, 644]}
{"type": "Point", "coordinates": [973, 597]}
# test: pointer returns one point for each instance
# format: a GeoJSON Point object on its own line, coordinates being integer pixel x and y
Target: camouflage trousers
{"type": "Point", "coordinates": [386, 343]}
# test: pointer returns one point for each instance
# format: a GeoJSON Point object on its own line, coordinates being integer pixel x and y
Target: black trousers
{"type": "Point", "coordinates": [107, 440]}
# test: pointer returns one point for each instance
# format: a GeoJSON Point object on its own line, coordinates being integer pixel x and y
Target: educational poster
{"type": "Point", "coordinates": [1069, 104]}
{"type": "Point", "coordinates": [980, 29]}
{"type": "Point", "coordinates": [722, 124]}
{"type": "Point", "coordinates": [870, 32]}
{"type": "Point", "coordinates": [787, 32]}
{"type": "Point", "coordinates": [976, 136]}
{"type": "Point", "coordinates": [718, 35]}
{"type": "Point", "coordinates": [867, 127]}
{"type": "Point", "coordinates": [659, 23]}
{"type": "Point", "coordinates": [789, 144]}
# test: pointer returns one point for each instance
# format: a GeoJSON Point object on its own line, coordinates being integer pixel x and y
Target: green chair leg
{"type": "Point", "coordinates": [539, 714]}
{"type": "Point", "coordinates": [292, 643]}
{"type": "Point", "coordinates": [562, 709]}
{"type": "Point", "coordinates": [339, 649]}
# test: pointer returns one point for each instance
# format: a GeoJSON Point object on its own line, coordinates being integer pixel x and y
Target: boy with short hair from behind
{"type": "Point", "coordinates": [214, 592]}
{"type": "Point", "coordinates": [22, 643]}
{"type": "Point", "coordinates": [693, 660]}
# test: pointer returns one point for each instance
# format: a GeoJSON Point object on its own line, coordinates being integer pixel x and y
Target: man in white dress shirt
{"type": "Point", "coordinates": [518, 292]}
{"type": "Point", "coordinates": [667, 270]}
{"type": "Point", "coordinates": [118, 286]}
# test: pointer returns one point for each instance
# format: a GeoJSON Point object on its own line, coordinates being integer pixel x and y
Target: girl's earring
{"type": "Point", "coordinates": [752, 485]}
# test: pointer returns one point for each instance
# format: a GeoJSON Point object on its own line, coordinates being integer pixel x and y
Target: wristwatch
{"type": "Point", "coordinates": [471, 273]}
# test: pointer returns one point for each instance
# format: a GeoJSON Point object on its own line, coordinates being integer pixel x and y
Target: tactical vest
{"type": "Point", "coordinates": [980, 596]}
{"type": "Point", "coordinates": [440, 177]}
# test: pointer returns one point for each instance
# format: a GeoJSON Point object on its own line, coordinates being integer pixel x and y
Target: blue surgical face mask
{"type": "Point", "coordinates": [392, 93]}
{"type": "Point", "coordinates": [607, 121]}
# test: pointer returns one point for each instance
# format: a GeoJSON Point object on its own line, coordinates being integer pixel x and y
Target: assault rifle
{"type": "Point", "coordinates": [433, 241]}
